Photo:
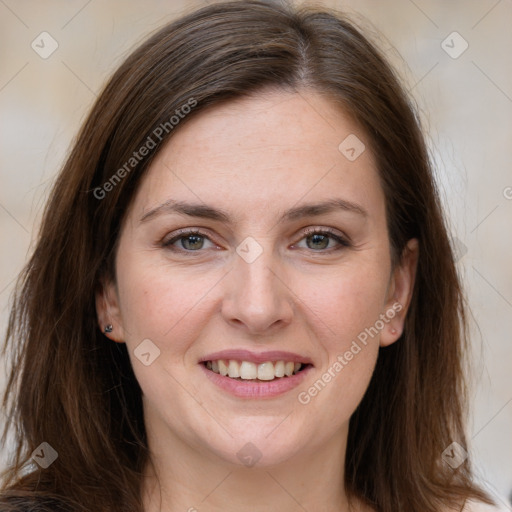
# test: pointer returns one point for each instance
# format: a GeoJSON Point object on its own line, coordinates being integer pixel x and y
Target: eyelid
{"type": "Point", "coordinates": [331, 231]}
{"type": "Point", "coordinates": [180, 233]}
{"type": "Point", "coordinates": [340, 238]}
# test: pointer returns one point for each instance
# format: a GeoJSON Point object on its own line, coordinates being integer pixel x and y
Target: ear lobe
{"type": "Point", "coordinates": [108, 312]}
{"type": "Point", "coordinates": [400, 293]}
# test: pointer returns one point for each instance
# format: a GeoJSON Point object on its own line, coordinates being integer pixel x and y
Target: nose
{"type": "Point", "coordinates": [257, 296]}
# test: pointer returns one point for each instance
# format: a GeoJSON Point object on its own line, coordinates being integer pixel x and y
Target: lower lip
{"type": "Point", "coordinates": [256, 389]}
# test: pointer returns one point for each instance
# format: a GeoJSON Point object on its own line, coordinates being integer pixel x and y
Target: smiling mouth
{"type": "Point", "coordinates": [246, 370]}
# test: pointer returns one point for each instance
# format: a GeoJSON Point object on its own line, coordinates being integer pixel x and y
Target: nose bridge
{"type": "Point", "coordinates": [257, 278]}
{"type": "Point", "coordinates": [257, 297]}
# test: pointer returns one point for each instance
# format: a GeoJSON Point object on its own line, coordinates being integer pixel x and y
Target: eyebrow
{"type": "Point", "coordinates": [205, 211]}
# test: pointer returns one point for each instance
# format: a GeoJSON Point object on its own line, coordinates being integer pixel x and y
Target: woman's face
{"type": "Point", "coordinates": [254, 177]}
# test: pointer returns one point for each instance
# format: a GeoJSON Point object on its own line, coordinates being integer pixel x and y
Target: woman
{"type": "Point", "coordinates": [243, 294]}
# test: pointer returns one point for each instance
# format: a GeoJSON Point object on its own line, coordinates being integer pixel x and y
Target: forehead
{"type": "Point", "coordinates": [264, 152]}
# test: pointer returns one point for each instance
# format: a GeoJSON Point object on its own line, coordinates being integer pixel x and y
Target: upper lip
{"type": "Point", "coordinates": [256, 357]}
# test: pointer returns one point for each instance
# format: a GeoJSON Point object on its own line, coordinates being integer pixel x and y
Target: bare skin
{"type": "Point", "coordinates": [255, 159]}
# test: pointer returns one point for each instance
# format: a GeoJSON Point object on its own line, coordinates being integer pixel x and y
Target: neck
{"type": "Point", "coordinates": [182, 478]}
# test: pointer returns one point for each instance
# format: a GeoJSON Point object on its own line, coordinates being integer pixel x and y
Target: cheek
{"type": "Point", "coordinates": [345, 310]}
{"type": "Point", "coordinates": [167, 308]}
{"type": "Point", "coordinates": [161, 304]}
{"type": "Point", "coordinates": [351, 344]}
{"type": "Point", "coordinates": [345, 303]}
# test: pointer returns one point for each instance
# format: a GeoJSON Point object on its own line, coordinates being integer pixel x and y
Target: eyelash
{"type": "Point", "coordinates": [184, 233]}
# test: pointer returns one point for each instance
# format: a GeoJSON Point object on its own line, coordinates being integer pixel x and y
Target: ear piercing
{"type": "Point", "coordinates": [108, 328]}
{"type": "Point", "coordinates": [393, 331]}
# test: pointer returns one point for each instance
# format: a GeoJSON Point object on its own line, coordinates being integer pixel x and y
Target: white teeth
{"type": "Point", "coordinates": [233, 369]}
{"type": "Point", "coordinates": [247, 370]}
{"type": "Point", "coordinates": [266, 371]}
{"type": "Point", "coordinates": [279, 369]}
{"type": "Point", "coordinates": [223, 367]}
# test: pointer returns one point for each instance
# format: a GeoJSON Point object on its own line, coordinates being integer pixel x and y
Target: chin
{"type": "Point", "coordinates": [259, 448]}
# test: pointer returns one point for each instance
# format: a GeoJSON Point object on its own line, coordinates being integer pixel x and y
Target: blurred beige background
{"type": "Point", "coordinates": [462, 83]}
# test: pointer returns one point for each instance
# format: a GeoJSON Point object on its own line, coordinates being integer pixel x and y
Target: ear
{"type": "Point", "coordinates": [108, 311]}
{"type": "Point", "coordinates": [400, 293]}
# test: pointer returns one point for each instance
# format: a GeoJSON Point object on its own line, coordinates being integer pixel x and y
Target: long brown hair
{"type": "Point", "coordinates": [75, 390]}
